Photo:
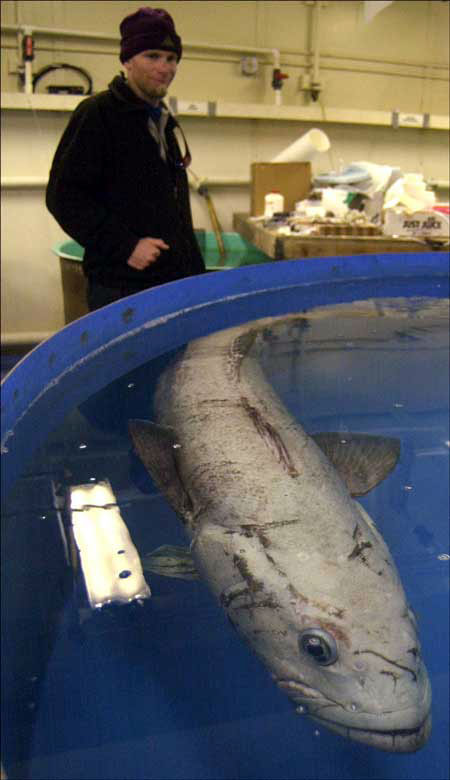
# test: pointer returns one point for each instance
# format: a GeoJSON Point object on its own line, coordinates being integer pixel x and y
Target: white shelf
{"type": "Point", "coordinates": [19, 101]}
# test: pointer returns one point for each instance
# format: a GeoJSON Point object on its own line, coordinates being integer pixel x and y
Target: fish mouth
{"type": "Point", "coordinates": [393, 741]}
{"type": "Point", "coordinates": [409, 739]}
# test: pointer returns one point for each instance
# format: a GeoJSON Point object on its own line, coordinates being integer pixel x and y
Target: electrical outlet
{"type": "Point", "coordinates": [249, 66]}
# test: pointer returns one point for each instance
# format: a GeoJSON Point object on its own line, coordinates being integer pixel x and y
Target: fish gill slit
{"type": "Point", "coordinates": [270, 437]}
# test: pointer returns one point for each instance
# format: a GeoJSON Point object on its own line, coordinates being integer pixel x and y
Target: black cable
{"type": "Point", "coordinates": [63, 65]}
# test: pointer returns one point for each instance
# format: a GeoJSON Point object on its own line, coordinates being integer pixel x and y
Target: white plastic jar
{"type": "Point", "coordinates": [273, 202]}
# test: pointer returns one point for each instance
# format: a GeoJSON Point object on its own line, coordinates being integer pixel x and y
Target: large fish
{"type": "Point", "coordinates": [296, 562]}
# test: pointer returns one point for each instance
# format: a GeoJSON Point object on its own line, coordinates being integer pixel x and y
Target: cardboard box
{"type": "Point", "coordinates": [292, 179]}
{"type": "Point", "coordinates": [431, 223]}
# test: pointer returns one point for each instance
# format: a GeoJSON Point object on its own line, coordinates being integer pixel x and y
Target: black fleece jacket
{"type": "Point", "coordinates": [109, 187]}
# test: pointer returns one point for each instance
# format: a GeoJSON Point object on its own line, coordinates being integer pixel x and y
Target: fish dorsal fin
{"type": "Point", "coordinates": [157, 447]}
{"type": "Point", "coordinates": [362, 461]}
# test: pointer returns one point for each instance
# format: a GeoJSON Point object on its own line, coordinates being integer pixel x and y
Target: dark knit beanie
{"type": "Point", "coordinates": [148, 28]}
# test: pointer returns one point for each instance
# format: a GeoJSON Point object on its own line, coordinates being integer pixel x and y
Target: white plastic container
{"type": "Point", "coordinates": [273, 202]}
{"type": "Point", "coordinates": [305, 148]}
{"type": "Point", "coordinates": [419, 223]}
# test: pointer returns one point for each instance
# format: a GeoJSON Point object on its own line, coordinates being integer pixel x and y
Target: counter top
{"type": "Point", "coordinates": [280, 247]}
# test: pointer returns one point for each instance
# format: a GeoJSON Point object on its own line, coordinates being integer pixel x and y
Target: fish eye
{"type": "Point", "coordinates": [319, 645]}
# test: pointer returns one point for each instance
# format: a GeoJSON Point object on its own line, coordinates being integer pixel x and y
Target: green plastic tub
{"type": "Point", "coordinates": [238, 251]}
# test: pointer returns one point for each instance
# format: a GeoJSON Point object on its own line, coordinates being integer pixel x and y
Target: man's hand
{"type": "Point", "coordinates": [146, 251]}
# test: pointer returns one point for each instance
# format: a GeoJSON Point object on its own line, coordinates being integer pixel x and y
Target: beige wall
{"type": "Point", "coordinates": [398, 62]}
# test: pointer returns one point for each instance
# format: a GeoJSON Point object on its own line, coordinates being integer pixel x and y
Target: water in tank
{"type": "Point", "coordinates": [230, 660]}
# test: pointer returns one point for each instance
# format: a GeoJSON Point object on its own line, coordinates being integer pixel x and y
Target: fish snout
{"type": "Point", "coordinates": [393, 741]}
{"type": "Point", "coordinates": [386, 714]}
{"type": "Point", "coordinates": [397, 723]}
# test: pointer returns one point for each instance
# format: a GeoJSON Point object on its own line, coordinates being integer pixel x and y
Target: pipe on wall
{"type": "Point", "coordinates": [315, 49]}
{"type": "Point", "coordinates": [62, 33]}
{"type": "Point", "coordinates": [100, 36]}
{"type": "Point", "coordinates": [25, 338]}
{"type": "Point", "coordinates": [40, 182]}
{"type": "Point", "coordinates": [50, 31]}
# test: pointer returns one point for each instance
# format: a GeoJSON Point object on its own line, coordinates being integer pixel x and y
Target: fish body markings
{"type": "Point", "coordinates": [275, 531]}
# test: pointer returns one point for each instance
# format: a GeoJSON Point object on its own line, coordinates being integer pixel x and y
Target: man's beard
{"type": "Point", "coordinates": [156, 92]}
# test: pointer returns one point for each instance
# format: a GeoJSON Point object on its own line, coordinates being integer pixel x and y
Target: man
{"type": "Point", "coordinates": [118, 183]}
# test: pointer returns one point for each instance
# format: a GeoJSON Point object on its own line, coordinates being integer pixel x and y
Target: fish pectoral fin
{"type": "Point", "coordinates": [362, 461]}
{"type": "Point", "coordinates": [171, 561]}
{"type": "Point", "coordinates": [157, 446]}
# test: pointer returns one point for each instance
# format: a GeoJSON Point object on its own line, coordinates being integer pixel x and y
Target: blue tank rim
{"type": "Point", "coordinates": [59, 373]}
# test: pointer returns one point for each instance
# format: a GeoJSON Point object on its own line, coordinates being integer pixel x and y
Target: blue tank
{"type": "Point", "coordinates": [161, 686]}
